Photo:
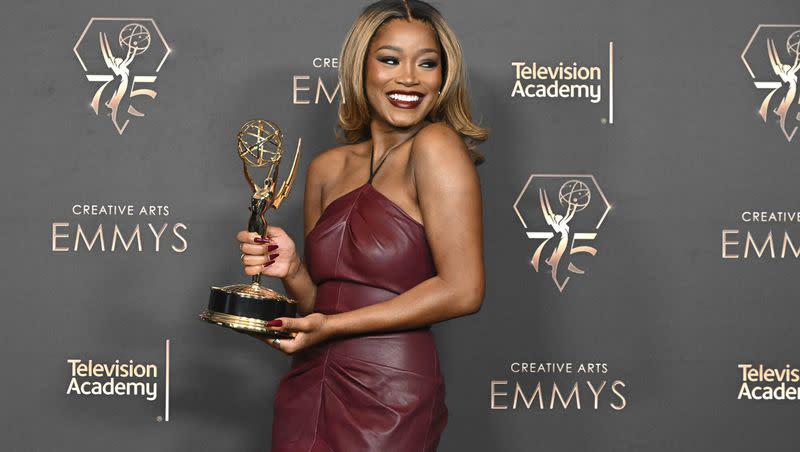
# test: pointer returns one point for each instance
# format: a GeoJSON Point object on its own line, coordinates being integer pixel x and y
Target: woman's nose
{"type": "Point", "coordinates": [407, 75]}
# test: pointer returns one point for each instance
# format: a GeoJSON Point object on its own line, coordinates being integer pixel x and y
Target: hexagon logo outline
{"type": "Point", "coordinates": [773, 74]}
{"type": "Point", "coordinates": [118, 82]}
{"type": "Point", "coordinates": [557, 231]}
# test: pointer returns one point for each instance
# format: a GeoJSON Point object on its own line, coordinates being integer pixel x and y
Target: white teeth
{"type": "Point", "coordinates": [405, 97]}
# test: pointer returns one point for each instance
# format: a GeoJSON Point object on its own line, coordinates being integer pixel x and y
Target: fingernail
{"type": "Point", "coordinates": [273, 256]}
{"type": "Point", "coordinates": [261, 240]}
{"type": "Point", "coordinates": [272, 247]}
{"type": "Point", "coordinates": [275, 323]}
{"type": "Point", "coordinates": [269, 263]}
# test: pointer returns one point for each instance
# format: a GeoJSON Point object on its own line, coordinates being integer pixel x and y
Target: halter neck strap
{"type": "Point", "coordinates": [373, 172]}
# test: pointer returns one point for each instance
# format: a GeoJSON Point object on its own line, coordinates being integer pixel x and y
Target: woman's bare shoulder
{"type": "Point", "coordinates": [438, 130]}
{"type": "Point", "coordinates": [438, 143]}
{"type": "Point", "coordinates": [328, 163]}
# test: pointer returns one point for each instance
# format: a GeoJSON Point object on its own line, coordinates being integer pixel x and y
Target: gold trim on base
{"type": "Point", "coordinates": [255, 292]}
{"type": "Point", "coordinates": [240, 323]}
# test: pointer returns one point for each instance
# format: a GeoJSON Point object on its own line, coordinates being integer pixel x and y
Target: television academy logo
{"type": "Point", "coordinates": [563, 213]}
{"type": "Point", "coordinates": [122, 55]}
{"type": "Point", "coordinates": [120, 378]}
{"type": "Point", "coordinates": [772, 57]}
{"type": "Point", "coordinates": [565, 80]}
{"type": "Point", "coordinates": [765, 382]}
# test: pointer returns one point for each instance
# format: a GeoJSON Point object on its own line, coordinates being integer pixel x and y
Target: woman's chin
{"type": "Point", "coordinates": [405, 121]}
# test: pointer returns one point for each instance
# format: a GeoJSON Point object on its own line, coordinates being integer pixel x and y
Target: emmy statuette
{"type": "Point", "coordinates": [248, 307]}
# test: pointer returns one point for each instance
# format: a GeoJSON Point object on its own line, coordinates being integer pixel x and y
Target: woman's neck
{"type": "Point", "coordinates": [386, 137]}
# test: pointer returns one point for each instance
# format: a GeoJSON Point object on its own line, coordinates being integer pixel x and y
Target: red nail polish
{"type": "Point", "coordinates": [273, 256]}
{"type": "Point", "coordinates": [275, 323]}
{"type": "Point", "coordinates": [269, 263]}
{"type": "Point", "coordinates": [260, 240]}
{"type": "Point", "coordinates": [272, 247]}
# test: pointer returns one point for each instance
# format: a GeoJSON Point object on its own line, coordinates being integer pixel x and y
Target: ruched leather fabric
{"type": "Point", "coordinates": [377, 392]}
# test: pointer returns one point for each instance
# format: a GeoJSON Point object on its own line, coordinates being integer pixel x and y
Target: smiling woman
{"type": "Point", "coordinates": [393, 244]}
{"type": "Point", "coordinates": [437, 49]}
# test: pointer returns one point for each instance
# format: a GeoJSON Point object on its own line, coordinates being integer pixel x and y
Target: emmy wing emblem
{"type": "Point", "coordinates": [249, 307]}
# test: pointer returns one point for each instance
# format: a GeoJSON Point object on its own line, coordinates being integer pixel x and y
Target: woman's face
{"type": "Point", "coordinates": [403, 72]}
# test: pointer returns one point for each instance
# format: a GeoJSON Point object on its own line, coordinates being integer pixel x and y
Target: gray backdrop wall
{"type": "Point", "coordinates": [680, 287]}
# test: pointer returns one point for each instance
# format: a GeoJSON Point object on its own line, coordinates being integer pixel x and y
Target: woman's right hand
{"type": "Point", "coordinates": [273, 256]}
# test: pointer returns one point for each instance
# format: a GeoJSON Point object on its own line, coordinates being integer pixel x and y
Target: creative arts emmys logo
{"type": "Point", "coordinates": [117, 228]}
{"type": "Point", "coordinates": [312, 89]}
{"type": "Point", "coordinates": [558, 385]}
{"type": "Point", "coordinates": [563, 227]}
{"type": "Point", "coordinates": [772, 56]}
{"type": "Point", "coordinates": [764, 235]}
{"type": "Point", "coordinates": [121, 55]}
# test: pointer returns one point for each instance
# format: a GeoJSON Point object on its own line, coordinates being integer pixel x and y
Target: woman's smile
{"type": "Point", "coordinates": [405, 99]}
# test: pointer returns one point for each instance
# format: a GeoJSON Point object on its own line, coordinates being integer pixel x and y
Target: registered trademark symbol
{"type": "Point", "coordinates": [159, 419]}
{"type": "Point", "coordinates": [603, 121]}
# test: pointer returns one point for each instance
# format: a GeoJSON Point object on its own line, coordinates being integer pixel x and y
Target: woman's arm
{"type": "Point", "coordinates": [449, 196]}
{"type": "Point", "coordinates": [298, 281]}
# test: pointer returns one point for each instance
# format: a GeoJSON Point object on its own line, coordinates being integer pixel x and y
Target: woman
{"type": "Point", "coordinates": [393, 244]}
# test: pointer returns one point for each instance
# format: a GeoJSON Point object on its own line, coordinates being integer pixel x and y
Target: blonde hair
{"type": "Point", "coordinates": [452, 105]}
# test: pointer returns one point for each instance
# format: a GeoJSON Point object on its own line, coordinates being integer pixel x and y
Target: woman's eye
{"type": "Point", "coordinates": [388, 60]}
{"type": "Point", "coordinates": [429, 64]}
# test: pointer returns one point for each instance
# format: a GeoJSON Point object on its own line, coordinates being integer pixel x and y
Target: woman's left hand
{"type": "Point", "coordinates": [307, 331]}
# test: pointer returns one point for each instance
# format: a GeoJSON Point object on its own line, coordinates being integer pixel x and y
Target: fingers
{"type": "Point", "coordinates": [248, 237]}
{"type": "Point", "coordinates": [256, 256]}
{"type": "Point", "coordinates": [252, 270]}
{"type": "Point", "coordinates": [284, 324]}
{"type": "Point", "coordinates": [290, 324]}
{"type": "Point", "coordinates": [286, 345]}
{"type": "Point", "coordinates": [262, 260]}
{"type": "Point", "coordinates": [305, 332]}
{"type": "Point", "coordinates": [258, 250]}
{"type": "Point", "coordinates": [253, 244]}
{"type": "Point", "coordinates": [273, 231]}
{"type": "Point", "coordinates": [260, 255]}
{"type": "Point", "coordinates": [251, 237]}
{"type": "Point", "coordinates": [252, 250]}
{"type": "Point", "coordinates": [274, 343]}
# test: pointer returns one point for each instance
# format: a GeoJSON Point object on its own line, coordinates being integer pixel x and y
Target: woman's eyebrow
{"type": "Point", "coordinates": [398, 49]}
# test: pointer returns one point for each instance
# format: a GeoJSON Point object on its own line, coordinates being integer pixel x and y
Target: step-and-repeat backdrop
{"type": "Point", "coordinates": [663, 135]}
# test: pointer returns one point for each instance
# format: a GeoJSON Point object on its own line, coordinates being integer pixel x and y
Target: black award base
{"type": "Point", "coordinates": [248, 307]}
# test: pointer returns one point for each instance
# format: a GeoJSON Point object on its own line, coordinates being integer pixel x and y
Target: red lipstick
{"type": "Point", "coordinates": [405, 99]}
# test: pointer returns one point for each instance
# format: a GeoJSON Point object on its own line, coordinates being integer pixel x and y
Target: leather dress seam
{"type": "Point", "coordinates": [430, 415]}
{"type": "Point", "coordinates": [344, 222]}
{"type": "Point", "coordinates": [321, 390]}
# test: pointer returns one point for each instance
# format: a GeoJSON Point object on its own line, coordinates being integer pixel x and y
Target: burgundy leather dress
{"type": "Point", "coordinates": [377, 392]}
